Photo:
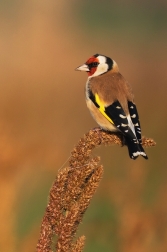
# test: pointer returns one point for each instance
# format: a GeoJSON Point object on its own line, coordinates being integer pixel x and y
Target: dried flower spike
{"type": "Point", "coordinates": [72, 191]}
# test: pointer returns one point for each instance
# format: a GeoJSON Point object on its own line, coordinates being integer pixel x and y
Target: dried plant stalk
{"type": "Point", "coordinates": [72, 191]}
{"type": "Point", "coordinates": [78, 246]}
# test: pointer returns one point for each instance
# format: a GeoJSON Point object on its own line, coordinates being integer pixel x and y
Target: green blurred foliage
{"type": "Point", "coordinates": [111, 16]}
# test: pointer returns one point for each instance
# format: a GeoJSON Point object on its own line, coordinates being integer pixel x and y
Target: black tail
{"type": "Point", "coordinates": [135, 149]}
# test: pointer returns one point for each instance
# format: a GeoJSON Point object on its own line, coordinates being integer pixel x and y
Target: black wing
{"type": "Point", "coordinates": [115, 114]}
{"type": "Point", "coordinates": [118, 116]}
{"type": "Point", "coordinates": [135, 119]}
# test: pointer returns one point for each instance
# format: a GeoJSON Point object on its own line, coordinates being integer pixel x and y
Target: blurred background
{"type": "Point", "coordinates": [43, 115]}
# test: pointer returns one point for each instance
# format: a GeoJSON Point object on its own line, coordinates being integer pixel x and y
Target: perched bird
{"type": "Point", "coordinates": [111, 102]}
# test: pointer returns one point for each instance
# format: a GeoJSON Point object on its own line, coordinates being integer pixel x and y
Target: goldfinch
{"type": "Point", "coordinates": [110, 100]}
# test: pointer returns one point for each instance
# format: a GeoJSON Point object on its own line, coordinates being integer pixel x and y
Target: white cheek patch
{"type": "Point", "coordinates": [102, 68]}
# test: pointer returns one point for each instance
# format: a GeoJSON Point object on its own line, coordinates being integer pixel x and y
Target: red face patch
{"type": "Point", "coordinates": [91, 62]}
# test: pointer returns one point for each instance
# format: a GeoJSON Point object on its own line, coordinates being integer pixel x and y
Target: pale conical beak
{"type": "Point", "coordinates": [84, 67]}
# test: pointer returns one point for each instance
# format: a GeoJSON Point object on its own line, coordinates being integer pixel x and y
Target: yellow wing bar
{"type": "Point", "coordinates": [102, 108]}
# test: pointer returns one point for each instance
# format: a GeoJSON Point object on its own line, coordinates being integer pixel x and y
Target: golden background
{"type": "Point", "coordinates": [43, 115]}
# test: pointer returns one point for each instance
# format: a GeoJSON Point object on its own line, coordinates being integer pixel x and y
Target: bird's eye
{"type": "Point", "coordinates": [93, 64]}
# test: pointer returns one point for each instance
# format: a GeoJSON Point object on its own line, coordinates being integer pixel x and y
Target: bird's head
{"type": "Point", "coordinates": [97, 65]}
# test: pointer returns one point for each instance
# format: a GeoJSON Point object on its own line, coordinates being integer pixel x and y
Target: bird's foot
{"type": "Point", "coordinates": [97, 129]}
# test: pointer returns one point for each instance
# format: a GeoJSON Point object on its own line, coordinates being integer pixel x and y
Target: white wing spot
{"type": "Point", "coordinates": [136, 124]}
{"type": "Point", "coordinates": [135, 141]}
{"type": "Point", "coordinates": [124, 125]}
{"type": "Point", "coordinates": [118, 107]}
{"type": "Point", "coordinates": [133, 116]}
{"type": "Point", "coordinates": [131, 107]}
{"type": "Point", "coordinates": [131, 125]}
{"type": "Point", "coordinates": [122, 116]}
{"type": "Point", "coordinates": [126, 131]}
